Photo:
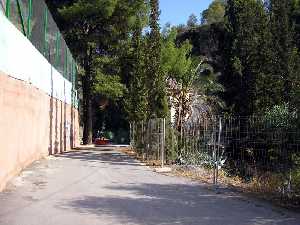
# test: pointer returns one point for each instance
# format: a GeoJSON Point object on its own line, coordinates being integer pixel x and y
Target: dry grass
{"type": "Point", "coordinates": [263, 187]}
{"type": "Point", "coordinates": [129, 151]}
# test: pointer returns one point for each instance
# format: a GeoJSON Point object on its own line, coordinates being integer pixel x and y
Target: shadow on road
{"type": "Point", "coordinates": [102, 156]}
{"type": "Point", "coordinates": [161, 201]}
{"type": "Point", "coordinates": [154, 204]}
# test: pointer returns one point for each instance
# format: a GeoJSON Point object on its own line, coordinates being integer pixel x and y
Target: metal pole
{"type": "Point", "coordinates": [45, 32]}
{"type": "Point", "coordinates": [163, 141]}
{"type": "Point", "coordinates": [7, 9]}
{"type": "Point", "coordinates": [133, 134]}
{"type": "Point", "coordinates": [214, 156]}
{"type": "Point", "coordinates": [218, 149]}
{"type": "Point", "coordinates": [130, 133]}
{"type": "Point", "coordinates": [158, 134]}
{"type": "Point", "coordinates": [21, 17]}
{"type": "Point", "coordinates": [29, 20]}
{"type": "Point", "coordinates": [143, 139]}
{"type": "Point", "coordinates": [66, 64]}
{"type": "Point", "coordinates": [57, 50]}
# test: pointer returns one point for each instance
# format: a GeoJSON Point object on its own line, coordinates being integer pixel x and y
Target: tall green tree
{"type": "Point", "coordinates": [248, 56]}
{"type": "Point", "coordinates": [215, 12]}
{"type": "Point", "coordinates": [175, 59]}
{"type": "Point", "coordinates": [83, 25]}
{"type": "Point", "coordinates": [296, 20]}
{"type": "Point", "coordinates": [137, 96]}
{"type": "Point", "coordinates": [191, 80]}
{"type": "Point", "coordinates": [192, 21]}
{"type": "Point", "coordinates": [295, 17]}
{"type": "Point", "coordinates": [97, 31]}
{"type": "Point", "coordinates": [286, 58]}
{"type": "Point", "coordinates": [158, 106]}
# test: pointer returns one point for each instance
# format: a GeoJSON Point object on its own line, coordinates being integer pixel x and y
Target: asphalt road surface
{"type": "Point", "coordinates": [106, 187]}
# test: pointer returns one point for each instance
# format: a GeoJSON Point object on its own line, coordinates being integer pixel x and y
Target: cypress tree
{"type": "Point", "coordinates": [286, 59]}
{"type": "Point", "coordinates": [246, 55]}
{"type": "Point", "coordinates": [157, 98]}
{"type": "Point", "coordinates": [296, 20]}
{"type": "Point", "coordinates": [136, 101]}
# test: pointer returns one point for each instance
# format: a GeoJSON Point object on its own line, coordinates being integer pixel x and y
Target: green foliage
{"type": "Point", "coordinates": [98, 31]}
{"type": "Point", "coordinates": [109, 86]}
{"type": "Point", "coordinates": [171, 141]}
{"type": "Point", "coordinates": [248, 56]}
{"type": "Point", "coordinates": [136, 102]}
{"type": "Point", "coordinates": [193, 83]}
{"type": "Point", "coordinates": [195, 79]}
{"type": "Point", "coordinates": [296, 20]}
{"type": "Point", "coordinates": [208, 41]}
{"type": "Point", "coordinates": [109, 135]}
{"type": "Point", "coordinates": [192, 21]}
{"type": "Point", "coordinates": [106, 83]}
{"type": "Point", "coordinates": [281, 116]}
{"type": "Point", "coordinates": [215, 12]}
{"type": "Point", "coordinates": [295, 173]}
{"type": "Point", "coordinates": [175, 61]}
{"type": "Point", "coordinates": [157, 98]}
{"type": "Point", "coordinates": [248, 51]}
{"type": "Point", "coordinates": [83, 9]}
{"type": "Point", "coordinates": [178, 63]}
{"type": "Point", "coordinates": [284, 58]}
{"type": "Point", "coordinates": [210, 88]}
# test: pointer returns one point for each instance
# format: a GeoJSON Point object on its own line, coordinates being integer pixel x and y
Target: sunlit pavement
{"type": "Point", "coordinates": [106, 187]}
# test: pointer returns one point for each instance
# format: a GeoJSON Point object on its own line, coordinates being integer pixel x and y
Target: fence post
{"type": "Point", "coordinates": [21, 17]}
{"type": "Point", "coordinates": [7, 9]}
{"type": "Point", "coordinates": [66, 63]}
{"type": "Point", "coordinates": [45, 32]}
{"type": "Point", "coordinates": [148, 138]}
{"type": "Point", "coordinates": [130, 134]}
{"type": "Point", "coordinates": [214, 154]}
{"type": "Point", "coordinates": [29, 19]}
{"type": "Point", "coordinates": [218, 150]}
{"type": "Point", "coordinates": [163, 141]}
{"type": "Point", "coordinates": [158, 135]}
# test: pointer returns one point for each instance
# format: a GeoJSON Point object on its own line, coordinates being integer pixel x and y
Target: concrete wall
{"type": "Point", "coordinates": [36, 113]}
{"type": "Point", "coordinates": [32, 125]}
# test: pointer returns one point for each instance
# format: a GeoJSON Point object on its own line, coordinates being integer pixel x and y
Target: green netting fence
{"type": "Point", "coordinates": [34, 20]}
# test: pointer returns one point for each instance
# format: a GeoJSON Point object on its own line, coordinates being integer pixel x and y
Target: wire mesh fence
{"type": "Point", "coordinates": [34, 20]}
{"type": "Point", "coordinates": [259, 148]}
{"type": "Point", "coordinates": [148, 138]}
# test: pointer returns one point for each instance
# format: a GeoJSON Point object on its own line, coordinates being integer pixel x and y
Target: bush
{"type": "Point", "coordinates": [281, 116]}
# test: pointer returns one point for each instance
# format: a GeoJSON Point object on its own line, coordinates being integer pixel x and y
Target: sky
{"type": "Point", "coordinates": [178, 11]}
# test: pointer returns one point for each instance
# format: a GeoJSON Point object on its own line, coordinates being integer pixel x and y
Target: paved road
{"type": "Point", "coordinates": [106, 187]}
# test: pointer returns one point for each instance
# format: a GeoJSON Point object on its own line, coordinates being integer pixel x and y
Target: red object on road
{"type": "Point", "coordinates": [101, 141]}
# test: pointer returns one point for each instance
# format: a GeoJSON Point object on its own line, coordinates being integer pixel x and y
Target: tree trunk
{"type": "Point", "coordinates": [87, 104]}
{"type": "Point", "coordinates": [88, 123]}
